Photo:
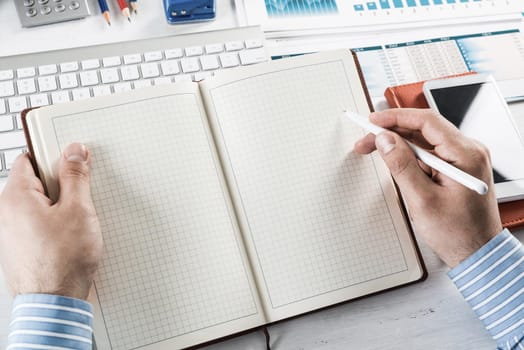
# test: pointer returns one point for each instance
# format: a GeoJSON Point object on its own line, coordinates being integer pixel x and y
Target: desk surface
{"type": "Point", "coordinates": [430, 314]}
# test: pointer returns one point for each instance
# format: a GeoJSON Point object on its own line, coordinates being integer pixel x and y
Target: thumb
{"type": "Point", "coordinates": [402, 164]}
{"type": "Point", "coordinates": [74, 173]}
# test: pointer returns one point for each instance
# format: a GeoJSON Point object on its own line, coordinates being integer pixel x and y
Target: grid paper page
{"type": "Point", "coordinates": [316, 212]}
{"type": "Point", "coordinates": [172, 263]}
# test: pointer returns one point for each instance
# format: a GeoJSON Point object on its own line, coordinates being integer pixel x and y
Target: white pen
{"type": "Point", "coordinates": [436, 163]}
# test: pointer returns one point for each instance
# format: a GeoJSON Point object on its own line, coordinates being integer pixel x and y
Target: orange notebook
{"type": "Point", "coordinates": [411, 95]}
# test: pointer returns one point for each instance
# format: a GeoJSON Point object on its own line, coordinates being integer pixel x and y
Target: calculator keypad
{"type": "Point", "coordinates": [38, 12]}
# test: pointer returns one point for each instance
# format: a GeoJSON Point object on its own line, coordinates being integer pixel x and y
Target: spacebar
{"type": "Point", "coordinates": [13, 139]}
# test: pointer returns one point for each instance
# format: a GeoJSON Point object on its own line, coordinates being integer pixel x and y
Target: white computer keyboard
{"type": "Point", "coordinates": [66, 75]}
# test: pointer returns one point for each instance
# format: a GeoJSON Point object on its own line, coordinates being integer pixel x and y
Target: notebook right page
{"type": "Point", "coordinates": [322, 224]}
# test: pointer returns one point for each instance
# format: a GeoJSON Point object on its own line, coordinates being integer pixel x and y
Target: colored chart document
{"type": "Point", "coordinates": [304, 8]}
{"type": "Point", "coordinates": [299, 16]}
{"type": "Point", "coordinates": [498, 53]}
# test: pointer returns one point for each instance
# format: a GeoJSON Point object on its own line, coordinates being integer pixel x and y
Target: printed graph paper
{"type": "Point", "coordinates": [316, 211]}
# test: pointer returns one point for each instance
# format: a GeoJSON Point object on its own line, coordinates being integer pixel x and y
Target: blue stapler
{"type": "Point", "coordinates": [180, 11]}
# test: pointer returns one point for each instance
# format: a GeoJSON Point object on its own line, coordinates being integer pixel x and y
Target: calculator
{"type": "Point", "coordinates": [38, 12]}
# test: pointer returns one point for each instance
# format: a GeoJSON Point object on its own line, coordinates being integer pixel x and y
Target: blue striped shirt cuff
{"type": "Point", "coordinates": [492, 282]}
{"type": "Point", "coordinates": [43, 321]}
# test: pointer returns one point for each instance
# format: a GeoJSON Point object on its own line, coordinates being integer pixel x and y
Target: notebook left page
{"type": "Point", "coordinates": [174, 272]}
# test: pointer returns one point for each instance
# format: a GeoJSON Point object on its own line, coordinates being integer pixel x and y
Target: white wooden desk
{"type": "Point", "coordinates": [427, 315]}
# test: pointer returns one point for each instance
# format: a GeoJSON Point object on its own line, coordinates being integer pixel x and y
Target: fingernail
{"type": "Point", "coordinates": [75, 152]}
{"type": "Point", "coordinates": [385, 143]}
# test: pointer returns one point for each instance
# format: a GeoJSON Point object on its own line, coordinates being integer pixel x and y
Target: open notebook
{"type": "Point", "coordinates": [232, 203]}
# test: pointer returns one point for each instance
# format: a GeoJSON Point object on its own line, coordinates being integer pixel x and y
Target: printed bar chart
{"type": "Point", "coordinates": [343, 15]}
{"type": "Point", "coordinates": [385, 4]}
{"type": "Point", "coordinates": [279, 8]}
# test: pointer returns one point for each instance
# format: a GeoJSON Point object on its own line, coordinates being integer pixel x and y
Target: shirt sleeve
{"type": "Point", "coordinates": [43, 321]}
{"type": "Point", "coordinates": [492, 282]}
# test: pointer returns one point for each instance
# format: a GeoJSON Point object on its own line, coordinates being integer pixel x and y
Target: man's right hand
{"type": "Point", "coordinates": [452, 219]}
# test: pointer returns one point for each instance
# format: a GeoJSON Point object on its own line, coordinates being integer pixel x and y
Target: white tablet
{"type": "Point", "coordinates": [475, 105]}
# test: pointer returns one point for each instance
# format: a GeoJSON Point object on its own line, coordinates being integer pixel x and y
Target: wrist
{"type": "Point", "coordinates": [470, 244]}
{"type": "Point", "coordinates": [69, 288]}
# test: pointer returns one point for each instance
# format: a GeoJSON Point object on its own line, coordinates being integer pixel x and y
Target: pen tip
{"type": "Point", "coordinates": [129, 19]}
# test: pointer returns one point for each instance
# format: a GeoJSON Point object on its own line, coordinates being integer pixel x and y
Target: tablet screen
{"type": "Point", "coordinates": [480, 113]}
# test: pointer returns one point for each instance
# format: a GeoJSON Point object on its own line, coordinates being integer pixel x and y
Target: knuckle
{"type": "Point", "coordinates": [479, 153]}
{"type": "Point", "coordinates": [484, 153]}
{"type": "Point", "coordinates": [399, 165]}
{"type": "Point", "coordinates": [77, 170]}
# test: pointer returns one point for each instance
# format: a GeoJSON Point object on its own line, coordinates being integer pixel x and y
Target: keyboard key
{"type": "Point", "coordinates": [111, 61]}
{"type": "Point", "coordinates": [189, 65]}
{"type": "Point", "coordinates": [6, 123]}
{"type": "Point", "coordinates": [47, 83]}
{"type": "Point", "coordinates": [142, 83]}
{"type": "Point", "coordinates": [253, 44]}
{"type": "Point", "coordinates": [132, 59]}
{"type": "Point", "coordinates": [17, 104]}
{"type": "Point", "coordinates": [252, 56]}
{"type": "Point", "coordinates": [174, 53]}
{"type": "Point", "coordinates": [209, 62]}
{"type": "Point", "coordinates": [169, 67]}
{"type": "Point", "coordinates": [229, 59]}
{"type": "Point", "coordinates": [183, 78]}
{"type": "Point", "coordinates": [18, 119]}
{"type": "Point", "coordinates": [89, 78]}
{"type": "Point", "coordinates": [68, 80]}
{"type": "Point", "coordinates": [3, 109]}
{"type": "Point", "coordinates": [26, 86]}
{"type": "Point", "coordinates": [149, 70]}
{"type": "Point", "coordinates": [194, 51]}
{"type": "Point", "coordinates": [201, 76]}
{"type": "Point", "coordinates": [13, 139]}
{"type": "Point", "coordinates": [6, 88]}
{"type": "Point", "coordinates": [101, 90]}
{"type": "Point", "coordinates": [90, 64]}
{"type": "Point", "coordinates": [152, 56]}
{"type": "Point", "coordinates": [6, 74]}
{"type": "Point", "coordinates": [234, 46]}
{"type": "Point", "coordinates": [26, 72]}
{"type": "Point", "coordinates": [129, 72]}
{"type": "Point", "coordinates": [60, 97]}
{"type": "Point", "coordinates": [109, 75]}
{"type": "Point", "coordinates": [10, 156]}
{"type": "Point", "coordinates": [163, 81]}
{"type": "Point", "coordinates": [48, 69]}
{"type": "Point", "coordinates": [122, 87]}
{"type": "Point", "coordinates": [67, 67]}
{"type": "Point", "coordinates": [214, 48]}
{"type": "Point", "coordinates": [80, 94]}
{"type": "Point", "coordinates": [38, 100]}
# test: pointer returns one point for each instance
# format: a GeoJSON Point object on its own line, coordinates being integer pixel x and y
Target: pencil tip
{"type": "Point", "coordinates": [109, 24]}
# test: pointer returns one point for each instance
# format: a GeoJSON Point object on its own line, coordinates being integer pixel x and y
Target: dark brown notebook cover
{"type": "Point", "coordinates": [411, 96]}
